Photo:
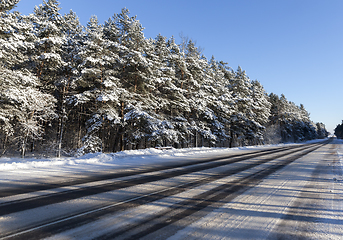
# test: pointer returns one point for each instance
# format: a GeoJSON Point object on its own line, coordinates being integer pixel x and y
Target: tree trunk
{"type": "Point", "coordinates": [122, 141]}
{"type": "Point", "coordinates": [196, 138]}
{"type": "Point", "coordinates": [4, 145]}
{"type": "Point", "coordinates": [60, 138]}
{"type": "Point", "coordinates": [79, 132]}
{"type": "Point", "coordinates": [23, 146]}
{"type": "Point", "coordinates": [231, 139]}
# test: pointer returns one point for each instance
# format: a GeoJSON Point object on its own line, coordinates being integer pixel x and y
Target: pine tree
{"type": "Point", "coordinates": [7, 5]}
{"type": "Point", "coordinates": [93, 68]}
{"type": "Point", "coordinates": [102, 94]}
{"type": "Point", "coordinates": [292, 122]}
{"type": "Point", "coordinates": [177, 103]}
{"type": "Point", "coordinates": [339, 131]}
{"type": "Point", "coordinates": [24, 107]}
{"type": "Point", "coordinates": [156, 117]}
{"type": "Point", "coordinates": [135, 68]}
{"type": "Point", "coordinates": [223, 103]}
{"type": "Point", "coordinates": [241, 122]}
{"type": "Point", "coordinates": [140, 69]}
{"type": "Point", "coordinates": [70, 54]}
{"type": "Point", "coordinates": [321, 131]}
{"type": "Point", "coordinates": [205, 100]}
{"type": "Point", "coordinates": [261, 110]}
{"type": "Point", "coordinates": [47, 60]}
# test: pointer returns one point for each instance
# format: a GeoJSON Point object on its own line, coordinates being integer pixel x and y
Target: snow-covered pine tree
{"type": "Point", "coordinates": [158, 130]}
{"type": "Point", "coordinates": [195, 64]}
{"type": "Point", "coordinates": [48, 29]}
{"type": "Point", "coordinates": [23, 106]}
{"type": "Point", "coordinates": [66, 83]}
{"type": "Point", "coordinates": [321, 131]}
{"type": "Point", "coordinates": [101, 93]}
{"type": "Point", "coordinates": [203, 96]}
{"type": "Point", "coordinates": [242, 127]}
{"type": "Point", "coordinates": [187, 64]}
{"type": "Point", "coordinates": [7, 5]}
{"type": "Point", "coordinates": [261, 110]}
{"type": "Point", "coordinates": [222, 104]}
{"type": "Point", "coordinates": [177, 104]}
{"type": "Point", "coordinates": [280, 115]}
{"type": "Point", "coordinates": [8, 24]}
{"type": "Point", "coordinates": [95, 60]}
{"type": "Point", "coordinates": [46, 60]}
{"type": "Point", "coordinates": [291, 121]}
{"type": "Point", "coordinates": [126, 100]}
{"type": "Point", "coordinates": [134, 66]}
{"type": "Point", "coordinates": [136, 74]}
{"type": "Point", "coordinates": [272, 134]}
{"type": "Point", "coordinates": [304, 127]}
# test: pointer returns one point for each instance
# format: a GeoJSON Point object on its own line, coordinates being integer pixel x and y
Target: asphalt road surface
{"type": "Point", "coordinates": [291, 192]}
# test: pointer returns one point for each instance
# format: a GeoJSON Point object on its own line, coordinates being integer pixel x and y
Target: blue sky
{"type": "Point", "coordinates": [294, 47]}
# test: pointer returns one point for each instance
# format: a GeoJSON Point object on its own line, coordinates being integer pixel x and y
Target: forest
{"type": "Point", "coordinates": [68, 89]}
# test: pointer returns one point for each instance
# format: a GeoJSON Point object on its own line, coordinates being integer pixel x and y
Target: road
{"type": "Point", "coordinates": [290, 192]}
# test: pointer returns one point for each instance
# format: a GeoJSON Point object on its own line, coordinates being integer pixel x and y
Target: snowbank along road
{"type": "Point", "coordinates": [275, 192]}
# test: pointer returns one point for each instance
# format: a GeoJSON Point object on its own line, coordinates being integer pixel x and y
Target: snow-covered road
{"type": "Point", "coordinates": [302, 201]}
{"type": "Point", "coordinates": [270, 192]}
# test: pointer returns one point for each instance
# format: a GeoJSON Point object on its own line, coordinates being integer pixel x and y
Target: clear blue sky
{"type": "Point", "coordinates": [294, 47]}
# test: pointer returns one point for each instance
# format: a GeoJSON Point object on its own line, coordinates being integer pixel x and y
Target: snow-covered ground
{"type": "Point", "coordinates": [17, 169]}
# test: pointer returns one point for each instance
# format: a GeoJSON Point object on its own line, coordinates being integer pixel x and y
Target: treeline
{"type": "Point", "coordinates": [339, 131]}
{"type": "Point", "coordinates": [105, 87]}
